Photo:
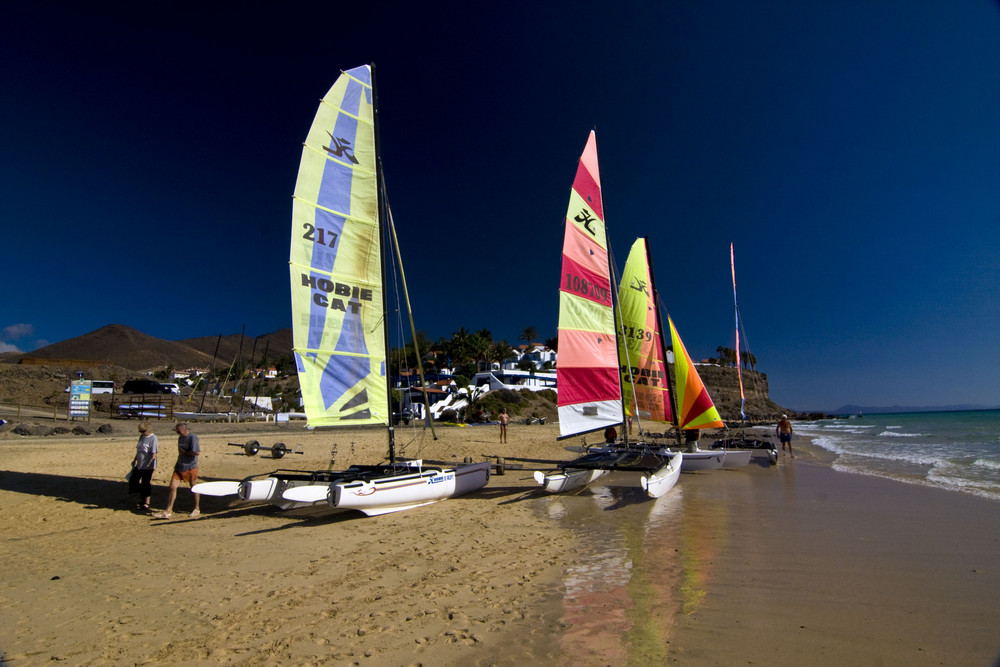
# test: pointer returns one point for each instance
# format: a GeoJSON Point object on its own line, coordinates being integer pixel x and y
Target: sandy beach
{"type": "Point", "coordinates": [786, 565]}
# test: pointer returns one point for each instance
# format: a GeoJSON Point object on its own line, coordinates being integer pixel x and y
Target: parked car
{"type": "Point", "coordinates": [405, 416]}
{"type": "Point", "coordinates": [171, 387]}
{"type": "Point", "coordinates": [144, 387]}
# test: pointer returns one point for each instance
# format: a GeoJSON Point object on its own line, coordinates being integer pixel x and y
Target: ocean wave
{"type": "Point", "coordinates": [895, 455]}
{"type": "Point", "coordinates": [890, 434]}
{"type": "Point", "coordinates": [935, 480]}
{"type": "Point", "coordinates": [987, 463]}
{"type": "Point", "coordinates": [828, 443]}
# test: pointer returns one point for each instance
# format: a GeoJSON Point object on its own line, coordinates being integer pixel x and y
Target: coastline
{"type": "Point", "coordinates": [770, 565]}
{"type": "Point", "coordinates": [845, 568]}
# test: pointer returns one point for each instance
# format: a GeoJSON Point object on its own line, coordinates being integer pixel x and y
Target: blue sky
{"type": "Point", "coordinates": [850, 150]}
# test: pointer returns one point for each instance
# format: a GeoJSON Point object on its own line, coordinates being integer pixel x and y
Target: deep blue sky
{"type": "Point", "coordinates": [850, 149]}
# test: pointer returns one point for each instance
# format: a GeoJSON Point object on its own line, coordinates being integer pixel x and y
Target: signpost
{"type": "Point", "coordinates": [79, 399]}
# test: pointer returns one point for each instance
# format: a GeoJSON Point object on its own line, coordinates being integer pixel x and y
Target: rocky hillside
{"type": "Point", "coordinates": [724, 386]}
{"type": "Point", "coordinates": [119, 353]}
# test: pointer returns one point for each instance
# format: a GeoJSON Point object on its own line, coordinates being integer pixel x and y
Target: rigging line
{"type": "Point", "coordinates": [406, 296]}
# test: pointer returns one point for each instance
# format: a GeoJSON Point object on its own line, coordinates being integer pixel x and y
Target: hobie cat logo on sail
{"type": "Point", "coordinates": [643, 376]}
{"type": "Point", "coordinates": [340, 147]}
{"type": "Point", "coordinates": [324, 287]}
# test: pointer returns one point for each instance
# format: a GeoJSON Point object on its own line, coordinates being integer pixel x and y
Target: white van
{"type": "Point", "coordinates": [99, 387]}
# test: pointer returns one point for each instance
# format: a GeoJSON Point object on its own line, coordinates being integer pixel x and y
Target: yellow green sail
{"type": "Point", "coordinates": [640, 348]}
{"type": "Point", "coordinates": [335, 262]}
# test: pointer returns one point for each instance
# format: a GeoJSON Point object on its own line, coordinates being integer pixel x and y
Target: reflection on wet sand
{"type": "Point", "coordinates": [639, 563]}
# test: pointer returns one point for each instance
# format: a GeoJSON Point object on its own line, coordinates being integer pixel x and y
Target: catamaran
{"type": "Point", "coordinates": [588, 373]}
{"type": "Point", "coordinates": [742, 443]}
{"type": "Point", "coordinates": [649, 386]}
{"type": "Point", "coordinates": [340, 233]}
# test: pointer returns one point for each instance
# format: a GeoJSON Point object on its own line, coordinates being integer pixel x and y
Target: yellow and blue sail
{"type": "Point", "coordinates": [335, 262]}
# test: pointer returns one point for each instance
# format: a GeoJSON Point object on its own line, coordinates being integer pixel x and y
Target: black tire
{"type": "Point", "coordinates": [279, 450]}
{"type": "Point", "coordinates": [251, 448]}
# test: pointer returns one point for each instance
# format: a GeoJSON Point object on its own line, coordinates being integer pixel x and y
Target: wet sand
{"type": "Point", "coordinates": [794, 564]}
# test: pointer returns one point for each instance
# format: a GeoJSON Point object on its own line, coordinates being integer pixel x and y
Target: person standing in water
{"type": "Point", "coordinates": [784, 433]}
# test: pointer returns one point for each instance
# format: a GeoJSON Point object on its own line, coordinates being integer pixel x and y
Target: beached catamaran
{"type": "Point", "coordinates": [650, 388]}
{"type": "Point", "coordinates": [339, 251]}
{"type": "Point", "coordinates": [588, 373]}
{"type": "Point", "coordinates": [742, 442]}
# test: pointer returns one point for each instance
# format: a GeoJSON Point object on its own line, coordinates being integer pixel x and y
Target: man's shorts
{"type": "Point", "coordinates": [189, 476]}
{"type": "Point", "coordinates": [784, 437]}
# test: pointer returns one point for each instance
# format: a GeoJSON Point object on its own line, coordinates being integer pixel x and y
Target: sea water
{"type": "Point", "coordinates": [954, 450]}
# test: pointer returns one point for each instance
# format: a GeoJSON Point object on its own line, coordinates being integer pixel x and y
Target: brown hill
{"type": "Point", "coordinates": [119, 345]}
{"type": "Point", "coordinates": [275, 345]}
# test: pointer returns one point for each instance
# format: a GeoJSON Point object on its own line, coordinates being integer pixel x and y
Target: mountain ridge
{"type": "Point", "coordinates": [121, 345]}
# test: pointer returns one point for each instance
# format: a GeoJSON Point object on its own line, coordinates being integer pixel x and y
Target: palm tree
{"type": "Point", "coordinates": [528, 335]}
{"type": "Point", "coordinates": [500, 352]}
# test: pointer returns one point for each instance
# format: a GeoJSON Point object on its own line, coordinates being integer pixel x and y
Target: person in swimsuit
{"type": "Point", "coordinates": [504, 419]}
{"type": "Point", "coordinates": [784, 433]}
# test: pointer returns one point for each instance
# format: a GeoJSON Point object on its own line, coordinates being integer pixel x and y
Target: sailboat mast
{"type": "Point", "coordinates": [615, 312]}
{"type": "Point", "coordinates": [736, 308]}
{"type": "Point", "coordinates": [675, 413]}
{"type": "Point", "coordinates": [380, 190]}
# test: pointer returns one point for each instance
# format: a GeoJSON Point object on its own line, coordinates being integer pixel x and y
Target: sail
{"type": "Point", "coordinates": [335, 262]}
{"type": "Point", "coordinates": [587, 372]}
{"type": "Point", "coordinates": [694, 406]}
{"type": "Point", "coordinates": [640, 347]}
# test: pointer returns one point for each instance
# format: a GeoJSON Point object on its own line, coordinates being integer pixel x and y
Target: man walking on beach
{"type": "Point", "coordinates": [784, 433]}
{"type": "Point", "coordinates": [185, 470]}
{"type": "Point", "coordinates": [504, 419]}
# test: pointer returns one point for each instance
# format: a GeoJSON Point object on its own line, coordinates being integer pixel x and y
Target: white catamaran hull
{"type": "Point", "coordinates": [567, 480]}
{"type": "Point", "coordinates": [658, 483]}
{"type": "Point", "coordinates": [393, 493]}
{"type": "Point", "coordinates": [265, 490]}
{"type": "Point", "coordinates": [699, 460]}
{"type": "Point", "coordinates": [736, 457]}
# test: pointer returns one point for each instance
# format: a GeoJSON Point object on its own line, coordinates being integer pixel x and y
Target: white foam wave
{"type": "Point", "coordinates": [890, 434]}
{"type": "Point", "coordinates": [937, 481]}
{"type": "Point", "coordinates": [987, 463]}
{"type": "Point", "coordinates": [893, 455]}
{"type": "Point", "coordinates": [828, 443]}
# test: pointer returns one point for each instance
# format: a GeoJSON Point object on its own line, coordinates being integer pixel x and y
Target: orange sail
{"type": "Point", "coordinates": [694, 406]}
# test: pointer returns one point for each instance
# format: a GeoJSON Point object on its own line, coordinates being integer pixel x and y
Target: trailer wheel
{"type": "Point", "coordinates": [279, 450]}
{"type": "Point", "coordinates": [501, 464]}
{"type": "Point", "coordinates": [251, 448]}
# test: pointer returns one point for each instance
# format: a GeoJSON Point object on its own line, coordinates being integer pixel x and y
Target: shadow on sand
{"type": "Point", "coordinates": [97, 492]}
